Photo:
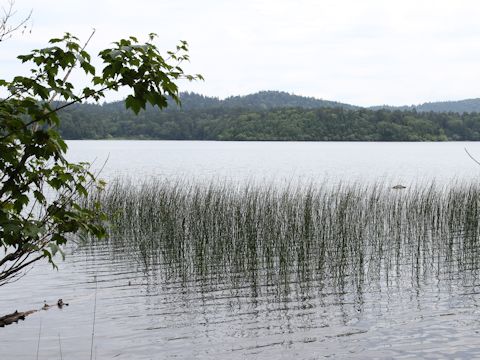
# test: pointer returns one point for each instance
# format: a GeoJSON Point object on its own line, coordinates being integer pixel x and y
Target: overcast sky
{"type": "Point", "coordinates": [367, 52]}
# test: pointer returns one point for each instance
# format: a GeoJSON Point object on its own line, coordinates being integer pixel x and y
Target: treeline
{"type": "Point", "coordinates": [290, 123]}
{"type": "Point", "coordinates": [460, 106]}
{"type": "Point", "coordinates": [262, 100]}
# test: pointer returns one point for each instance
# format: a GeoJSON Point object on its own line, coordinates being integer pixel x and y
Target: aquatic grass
{"type": "Point", "coordinates": [324, 233]}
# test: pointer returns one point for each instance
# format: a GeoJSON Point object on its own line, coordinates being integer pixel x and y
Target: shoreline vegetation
{"type": "Point", "coordinates": [337, 235]}
{"type": "Point", "coordinates": [270, 116]}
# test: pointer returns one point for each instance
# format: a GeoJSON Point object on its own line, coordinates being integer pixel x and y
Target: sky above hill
{"type": "Point", "coordinates": [367, 52]}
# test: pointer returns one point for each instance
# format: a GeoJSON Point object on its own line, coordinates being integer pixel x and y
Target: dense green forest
{"type": "Point", "coordinates": [461, 106]}
{"type": "Point", "coordinates": [279, 99]}
{"type": "Point", "coordinates": [262, 100]}
{"type": "Point", "coordinates": [266, 116]}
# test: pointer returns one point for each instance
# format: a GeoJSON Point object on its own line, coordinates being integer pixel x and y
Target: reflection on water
{"type": "Point", "coordinates": [159, 315]}
{"type": "Point", "coordinates": [213, 272]}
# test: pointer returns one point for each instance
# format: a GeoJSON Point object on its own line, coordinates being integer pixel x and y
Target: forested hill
{"type": "Point", "coordinates": [262, 100]}
{"type": "Point", "coordinates": [460, 106]}
{"type": "Point", "coordinates": [242, 123]}
{"type": "Point", "coordinates": [265, 100]}
{"type": "Point", "coordinates": [469, 105]}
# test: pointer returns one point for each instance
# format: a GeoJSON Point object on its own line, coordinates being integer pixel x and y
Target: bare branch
{"type": "Point", "coordinates": [7, 28]}
{"type": "Point", "coordinates": [71, 68]}
{"type": "Point", "coordinates": [471, 157]}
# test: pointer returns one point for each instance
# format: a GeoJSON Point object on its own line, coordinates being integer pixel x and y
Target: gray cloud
{"type": "Point", "coordinates": [362, 52]}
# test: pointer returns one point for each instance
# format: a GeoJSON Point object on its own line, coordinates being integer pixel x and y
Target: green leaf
{"type": "Point", "coordinates": [131, 102]}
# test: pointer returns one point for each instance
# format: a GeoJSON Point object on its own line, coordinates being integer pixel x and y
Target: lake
{"type": "Point", "coordinates": [415, 297]}
{"type": "Point", "coordinates": [281, 161]}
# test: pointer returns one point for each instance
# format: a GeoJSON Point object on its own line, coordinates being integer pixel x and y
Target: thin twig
{"type": "Point", "coordinates": [39, 335]}
{"type": "Point", "coordinates": [471, 157]}
{"type": "Point", "coordinates": [60, 344]}
{"type": "Point", "coordinates": [6, 30]}
{"type": "Point", "coordinates": [94, 318]}
{"type": "Point", "coordinates": [54, 95]}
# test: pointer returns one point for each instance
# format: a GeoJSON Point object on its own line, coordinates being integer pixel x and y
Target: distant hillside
{"type": "Point", "coordinates": [266, 100]}
{"type": "Point", "coordinates": [274, 115]}
{"type": "Point", "coordinates": [263, 100]}
{"type": "Point", "coordinates": [277, 99]}
{"type": "Point", "coordinates": [286, 124]}
{"type": "Point", "coordinates": [460, 106]}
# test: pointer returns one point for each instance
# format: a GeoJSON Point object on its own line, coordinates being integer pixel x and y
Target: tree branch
{"type": "Point", "coordinates": [7, 30]}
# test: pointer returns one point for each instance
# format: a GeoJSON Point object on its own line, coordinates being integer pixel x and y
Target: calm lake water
{"type": "Point", "coordinates": [152, 309]}
{"type": "Point", "coordinates": [281, 161]}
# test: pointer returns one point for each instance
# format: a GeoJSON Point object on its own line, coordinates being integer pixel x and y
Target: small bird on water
{"type": "Point", "coordinates": [61, 304]}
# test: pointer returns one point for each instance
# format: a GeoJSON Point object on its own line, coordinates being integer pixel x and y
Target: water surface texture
{"type": "Point", "coordinates": [281, 161]}
{"type": "Point", "coordinates": [211, 273]}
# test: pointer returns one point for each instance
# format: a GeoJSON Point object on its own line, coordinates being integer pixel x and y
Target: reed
{"type": "Point", "coordinates": [315, 232]}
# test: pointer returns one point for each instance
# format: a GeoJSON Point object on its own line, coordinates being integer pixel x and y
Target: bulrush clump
{"type": "Point", "coordinates": [323, 232]}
